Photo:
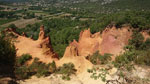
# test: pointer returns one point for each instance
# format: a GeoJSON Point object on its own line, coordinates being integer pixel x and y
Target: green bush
{"type": "Point", "coordinates": [66, 70]}
{"type": "Point", "coordinates": [53, 67]}
{"type": "Point", "coordinates": [105, 58]}
{"type": "Point", "coordinates": [39, 68]}
{"type": "Point", "coordinates": [145, 45]}
{"type": "Point", "coordinates": [24, 58]}
{"type": "Point", "coordinates": [36, 68]}
{"type": "Point", "coordinates": [143, 58]}
{"type": "Point", "coordinates": [7, 56]}
{"type": "Point", "coordinates": [96, 58]}
{"type": "Point", "coordinates": [22, 72]}
{"type": "Point", "coordinates": [98, 73]}
{"type": "Point", "coordinates": [136, 52]}
{"type": "Point", "coordinates": [124, 60]}
{"type": "Point", "coordinates": [13, 26]}
{"type": "Point", "coordinates": [137, 40]}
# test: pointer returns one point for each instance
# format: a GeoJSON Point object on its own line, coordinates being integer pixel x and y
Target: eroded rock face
{"type": "Point", "coordinates": [45, 44]}
{"type": "Point", "coordinates": [114, 40]}
{"type": "Point", "coordinates": [71, 55]}
{"type": "Point", "coordinates": [40, 48]}
{"type": "Point", "coordinates": [71, 51]}
{"type": "Point", "coordinates": [111, 40]}
{"type": "Point", "coordinates": [88, 43]}
{"type": "Point", "coordinates": [42, 33]}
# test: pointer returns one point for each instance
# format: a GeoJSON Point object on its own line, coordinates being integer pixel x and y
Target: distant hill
{"type": "Point", "coordinates": [96, 6]}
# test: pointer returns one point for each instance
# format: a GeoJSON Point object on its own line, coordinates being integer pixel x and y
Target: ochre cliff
{"type": "Point", "coordinates": [40, 48]}
{"type": "Point", "coordinates": [114, 40]}
{"type": "Point", "coordinates": [71, 55]}
{"type": "Point", "coordinates": [111, 40]}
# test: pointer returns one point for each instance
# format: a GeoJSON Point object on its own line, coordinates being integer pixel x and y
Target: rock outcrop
{"type": "Point", "coordinates": [45, 44]}
{"type": "Point", "coordinates": [40, 48]}
{"type": "Point", "coordinates": [71, 55]}
{"type": "Point", "coordinates": [112, 40]}
{"type": "Point", "coordinates": [88, 43]}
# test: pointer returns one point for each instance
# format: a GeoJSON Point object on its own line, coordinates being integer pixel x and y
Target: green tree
{"type": "Point", "coordinates": [137, 39]}
{"type": "Point", "coordinates": [97, 58]}
{"type": "Point", "coordinates": [7, 56]}
{"type": "Point", "coordinates": [13, 26]}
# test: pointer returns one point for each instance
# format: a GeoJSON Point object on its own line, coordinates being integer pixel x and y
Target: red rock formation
{"type": "Point", "coordinates": [42, 33]}
{"type": "Point", "coordinates": [40, 48]}
{"type": "Point", "coordinates": [88, 43]}
{"type": "Point", "coordinates": [45, 44]}
{"type": "Point", "coordinates": [71, 51]}
{"type": "Point", "coordinates": [112, 40]}
{"type": "Point", "coordinates": [71, 55]}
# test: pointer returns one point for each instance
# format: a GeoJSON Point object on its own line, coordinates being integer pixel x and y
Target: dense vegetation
{"type": "Point", "coordinates": [6, 17]}
{"type": "Point", "coordinates": [137, 52]}
{"type": "Point", "coordinates": [7, 56]}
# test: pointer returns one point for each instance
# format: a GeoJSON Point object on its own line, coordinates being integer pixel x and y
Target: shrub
{"type": "Point", "coordinates": [145, 45]}
{"type": "Point", "coordinates": [137, 40]}
{"type": "Point", "coordinates": [136, 51]}
{"type": "Point", "coordinates": [39, 68]}
{"type": "Point", "coordinates": [96, 58]}
{"type": "Point", "coordinates": [143, 58]}
{"type": "Point", "coordinates": [125, 60]}
{"type": "Point", "coordinates": [66, 70]}
{"type": "Point", "coordinates": [52, 67]}
{"type": "Point", "coordinates": [22, 72]}
{"type": "Point", "coordinates": [36, 68]}
{"type": "Point", "coordinates": [7, 56]}
{"type": "Point", "coordinates": [24, 58]}
{"type": "Point", "coordinates": [98, 73]}
{"type": "Point", "coordinates": [13, 26]}
{"type": "Point", "coordinates": [105, 58]}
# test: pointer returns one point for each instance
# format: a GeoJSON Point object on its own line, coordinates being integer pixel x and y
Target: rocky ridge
{"type": "Point", "coordinates": [111, 40]}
